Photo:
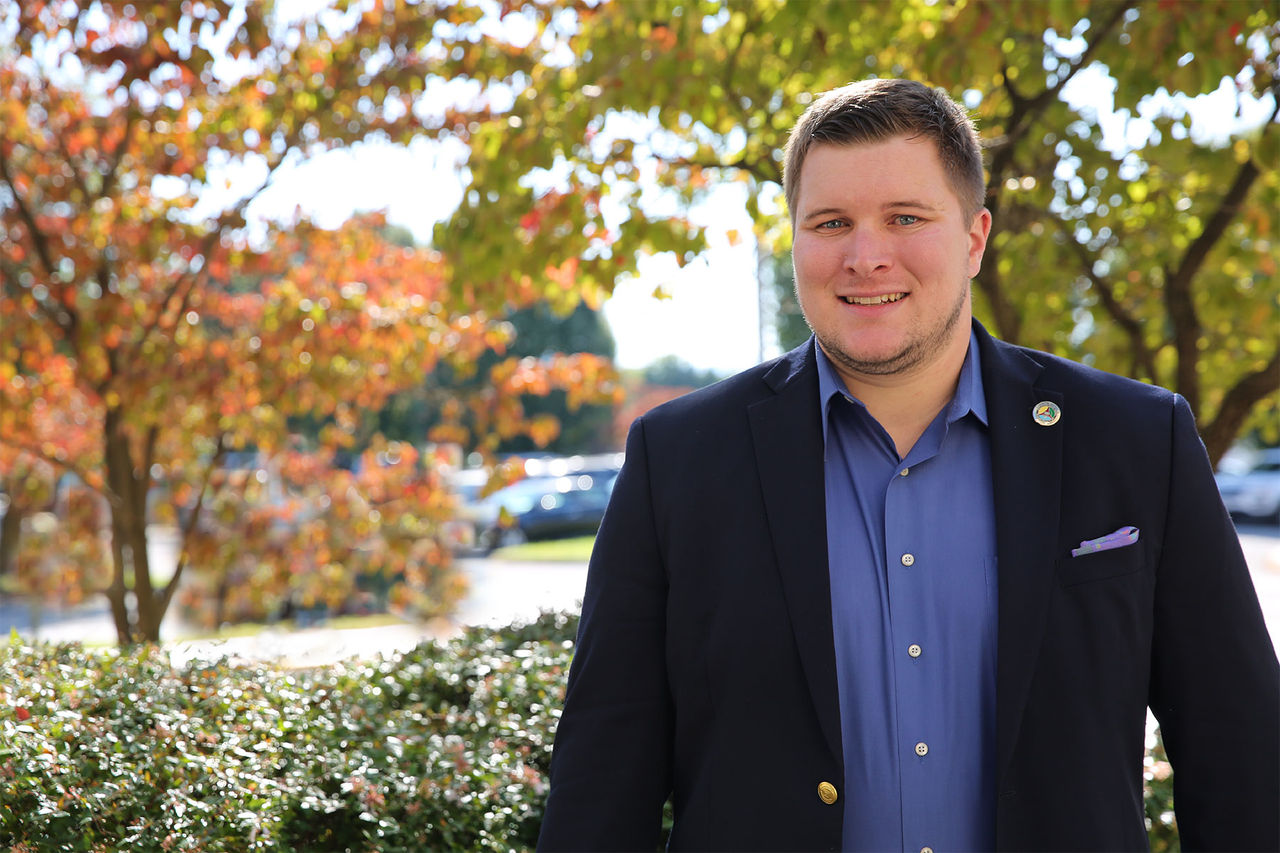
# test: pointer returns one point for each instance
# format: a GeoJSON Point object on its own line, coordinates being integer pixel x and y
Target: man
{"type": "Point", "coordinates": [909, 587]}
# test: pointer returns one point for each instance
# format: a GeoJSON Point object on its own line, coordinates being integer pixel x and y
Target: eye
{"type": "Point", "coordinates": [905, 219]}
{"type": "Point", "coordinates": [830, 225]}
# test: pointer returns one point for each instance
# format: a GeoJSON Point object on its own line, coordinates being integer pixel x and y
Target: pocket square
{"type": "Point", "coordinates": [1122, 537]}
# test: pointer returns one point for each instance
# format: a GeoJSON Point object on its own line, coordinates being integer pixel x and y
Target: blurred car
{"type": "Point", "coordinates": [1250, 484]}
{"type": "Point", "coordinates": [544, 508]}
{"type": "Point", "coordinates": [461, 533]}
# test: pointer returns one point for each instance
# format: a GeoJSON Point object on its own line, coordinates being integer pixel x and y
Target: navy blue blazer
{"type": "Point", "coordinates": [705, 666]}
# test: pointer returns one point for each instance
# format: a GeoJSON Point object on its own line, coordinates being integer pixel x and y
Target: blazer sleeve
{"type": "Point", "coordinates": [611, 760]}
{"type": "Point", "coordinates": [1215, 682]}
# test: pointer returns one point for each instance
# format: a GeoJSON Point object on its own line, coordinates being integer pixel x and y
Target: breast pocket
{"type": "Point", "coordinates": [1101, 565]}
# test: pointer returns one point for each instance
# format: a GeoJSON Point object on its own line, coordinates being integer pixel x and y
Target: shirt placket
{"type": "Point", "coordinates": [908, 559]}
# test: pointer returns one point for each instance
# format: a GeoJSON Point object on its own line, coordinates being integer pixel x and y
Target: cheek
{"type": "Point", "coordinates": [813, 261]}
{"type": "Point", "coordinates": [931, 260]}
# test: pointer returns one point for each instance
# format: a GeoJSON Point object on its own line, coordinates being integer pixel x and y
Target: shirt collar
{"type": "Point", "coordinates": [970, 395]}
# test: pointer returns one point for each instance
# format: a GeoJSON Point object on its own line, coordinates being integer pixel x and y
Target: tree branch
{"type": "Point", "coordinates": [751, 167]}
{"type": "Point", "coordinates": [38, 238]}
{"type": "Point", "coordinates": [1027, 110]}
{"type": "Point", "coordinates": [165, 594]}
{"type": "Point", "coordinates": [1024, 112]}
{"type": "Point", "coordinates": [112, 173]}
{"type": "Point", "coordinates": [215, 233]}
{"type": "Point", "coordinates": [62, 319]}
{"type": "Point", "coordinates": [1178, 296]}
{"type": "Point", "coordinates": [1237, 404]}
{"type": "Point", "coordinates": [39, 454]}
{"type": "Point", "coordinates": [8, 273]}
{"type": "Point", "coordinates": [76, 176]}
{"type": "Point", "coordinates": [1142, 357]}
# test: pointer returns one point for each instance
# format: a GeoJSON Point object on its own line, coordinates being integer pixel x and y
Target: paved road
{"type": "Point", "coordinates": [1261, 546]}
{"type": "Point", "coordinates": [501, 592]}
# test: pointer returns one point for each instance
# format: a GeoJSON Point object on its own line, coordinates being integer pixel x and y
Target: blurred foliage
{"type": "Point", "coordinates": [312, 536]}
{"type": "Point", "coordinates": [603, 123]}
{"type": "Point", "coordinates": [1157, 789]}
{"type": "Point", "coordinates": [149, 330]}
{"type": "Point", "coordinates": [534, 332]}
{"type": "Point", "coordinates": [540, 332]}
{"type": "Point", "coordinates": [779, 283]}
{"type": "Point", "coordinates": [446, 747]}
{"type": "Point", "coordinates": [673, 372]}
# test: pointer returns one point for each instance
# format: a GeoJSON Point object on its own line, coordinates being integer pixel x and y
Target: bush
{"type": "Point", "coordinates": [444, 748]}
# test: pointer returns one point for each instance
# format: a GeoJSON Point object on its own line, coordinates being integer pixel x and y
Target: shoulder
{"type": "Point", "coordinates": [728, 398]}
{"type": "Point", "coordinates": [1103, 416]}
{"type": "Point", "coordinates": [1081, 383]}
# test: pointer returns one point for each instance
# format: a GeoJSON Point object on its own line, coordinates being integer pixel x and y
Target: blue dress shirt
{"type": "Point", "coordinates": [912, 544]}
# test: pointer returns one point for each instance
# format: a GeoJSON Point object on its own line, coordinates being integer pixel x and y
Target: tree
{"type": "Point", "coordinates": [541, 333]}
{"type": "Point", "coordinates": [1156, 258]}
{"type": "Point", "coordinates": [778, 281]}
{"type": "Point", "coordinates": [673, 372]}
{"type": "Point", "coordinates": [536, 332]}
{"type": "Point", "coordinates": [146, 329]}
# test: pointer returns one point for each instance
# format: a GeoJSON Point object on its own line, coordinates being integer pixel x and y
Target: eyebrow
{"type": "Point", "coordinates": [909, 204]}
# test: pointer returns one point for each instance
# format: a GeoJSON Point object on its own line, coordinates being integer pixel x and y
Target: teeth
{"type": "Point", "coordinates": [873, 300]}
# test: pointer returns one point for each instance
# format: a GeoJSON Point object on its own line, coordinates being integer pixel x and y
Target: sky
{"type": "Point", "coordinates": [710, 318]}
{"type": "Point", "coordinates": [419, 185]}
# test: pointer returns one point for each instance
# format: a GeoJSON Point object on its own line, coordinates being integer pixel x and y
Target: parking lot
{"type": "Point", "coordinates": [500, 592]}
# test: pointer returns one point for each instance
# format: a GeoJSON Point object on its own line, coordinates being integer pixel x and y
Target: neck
{"type": "Point", "coordinates": [905, 404]}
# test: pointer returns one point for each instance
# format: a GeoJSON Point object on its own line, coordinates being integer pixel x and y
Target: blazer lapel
{"type": "Point", "coordinates": [1026, 467]}
{"type": "Point", "coordinates": [787, 432]}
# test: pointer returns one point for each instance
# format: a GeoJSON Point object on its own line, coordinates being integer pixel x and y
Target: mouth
{"type": "Point", "coordinates": [881, 299]}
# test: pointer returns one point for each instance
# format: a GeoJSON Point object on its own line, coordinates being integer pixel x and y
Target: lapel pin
{"type": "Point", "coordinates": [1046, 413]}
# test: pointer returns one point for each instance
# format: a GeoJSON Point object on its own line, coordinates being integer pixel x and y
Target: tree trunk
{"type": "Point", "coordinates": [117, 591]}
{"type": "Point", "coordinates": [129, 483]}
{"type": "Point", "coordinates": [220, 601]}
{"type": "Point", "coordinates": [10, 528]}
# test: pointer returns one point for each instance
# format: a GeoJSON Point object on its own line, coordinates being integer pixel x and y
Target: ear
{"type": "Point", "coordinates": [979, 230]}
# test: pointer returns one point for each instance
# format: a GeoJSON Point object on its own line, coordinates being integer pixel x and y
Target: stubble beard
{"type": "Point", "coordinates": [915, 352]}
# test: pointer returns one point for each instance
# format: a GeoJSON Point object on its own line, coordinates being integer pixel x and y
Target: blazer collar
{"type": "Point", "coordinates": [1026, 476]}
{"type": "Point", "coordinates": [792, 366]}
{"type": "Point", "coordinates": [786, 430]}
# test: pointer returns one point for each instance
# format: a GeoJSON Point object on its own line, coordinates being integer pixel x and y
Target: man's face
{"type": "Point", "coordinates": [883, 255]}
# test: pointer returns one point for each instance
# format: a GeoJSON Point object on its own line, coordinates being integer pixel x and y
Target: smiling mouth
{"type": "Point", "coordinates": [882, 299]}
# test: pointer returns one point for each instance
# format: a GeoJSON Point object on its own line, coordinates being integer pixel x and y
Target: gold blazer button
{"type": "Point", "coordinates": [827, 792]}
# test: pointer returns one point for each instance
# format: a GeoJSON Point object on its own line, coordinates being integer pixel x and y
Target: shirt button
{"type": "Point", "coordinates": [926, 850]}
{"type": "Point", "coordinates": [904, 472]}
{"type": "Point", "coordinates": [922, 749]}
{"type": "Point", "coordinates": [914, 650]}
{"type": "Point", "coordinates": [908, 559]}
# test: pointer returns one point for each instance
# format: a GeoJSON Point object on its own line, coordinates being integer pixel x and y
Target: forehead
{"type": "Point", "coordinates": [881, 171]}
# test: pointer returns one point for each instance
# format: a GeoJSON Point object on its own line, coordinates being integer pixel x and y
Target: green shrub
{"type": "Point", "coordinates": [443, 748]}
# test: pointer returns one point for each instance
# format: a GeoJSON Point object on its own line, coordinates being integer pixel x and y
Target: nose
{"type": "Point", "coordinates": [867, 252]}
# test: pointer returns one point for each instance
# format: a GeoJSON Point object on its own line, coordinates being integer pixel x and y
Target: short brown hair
{"type": "Point", "coordinates": [876, 110]}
